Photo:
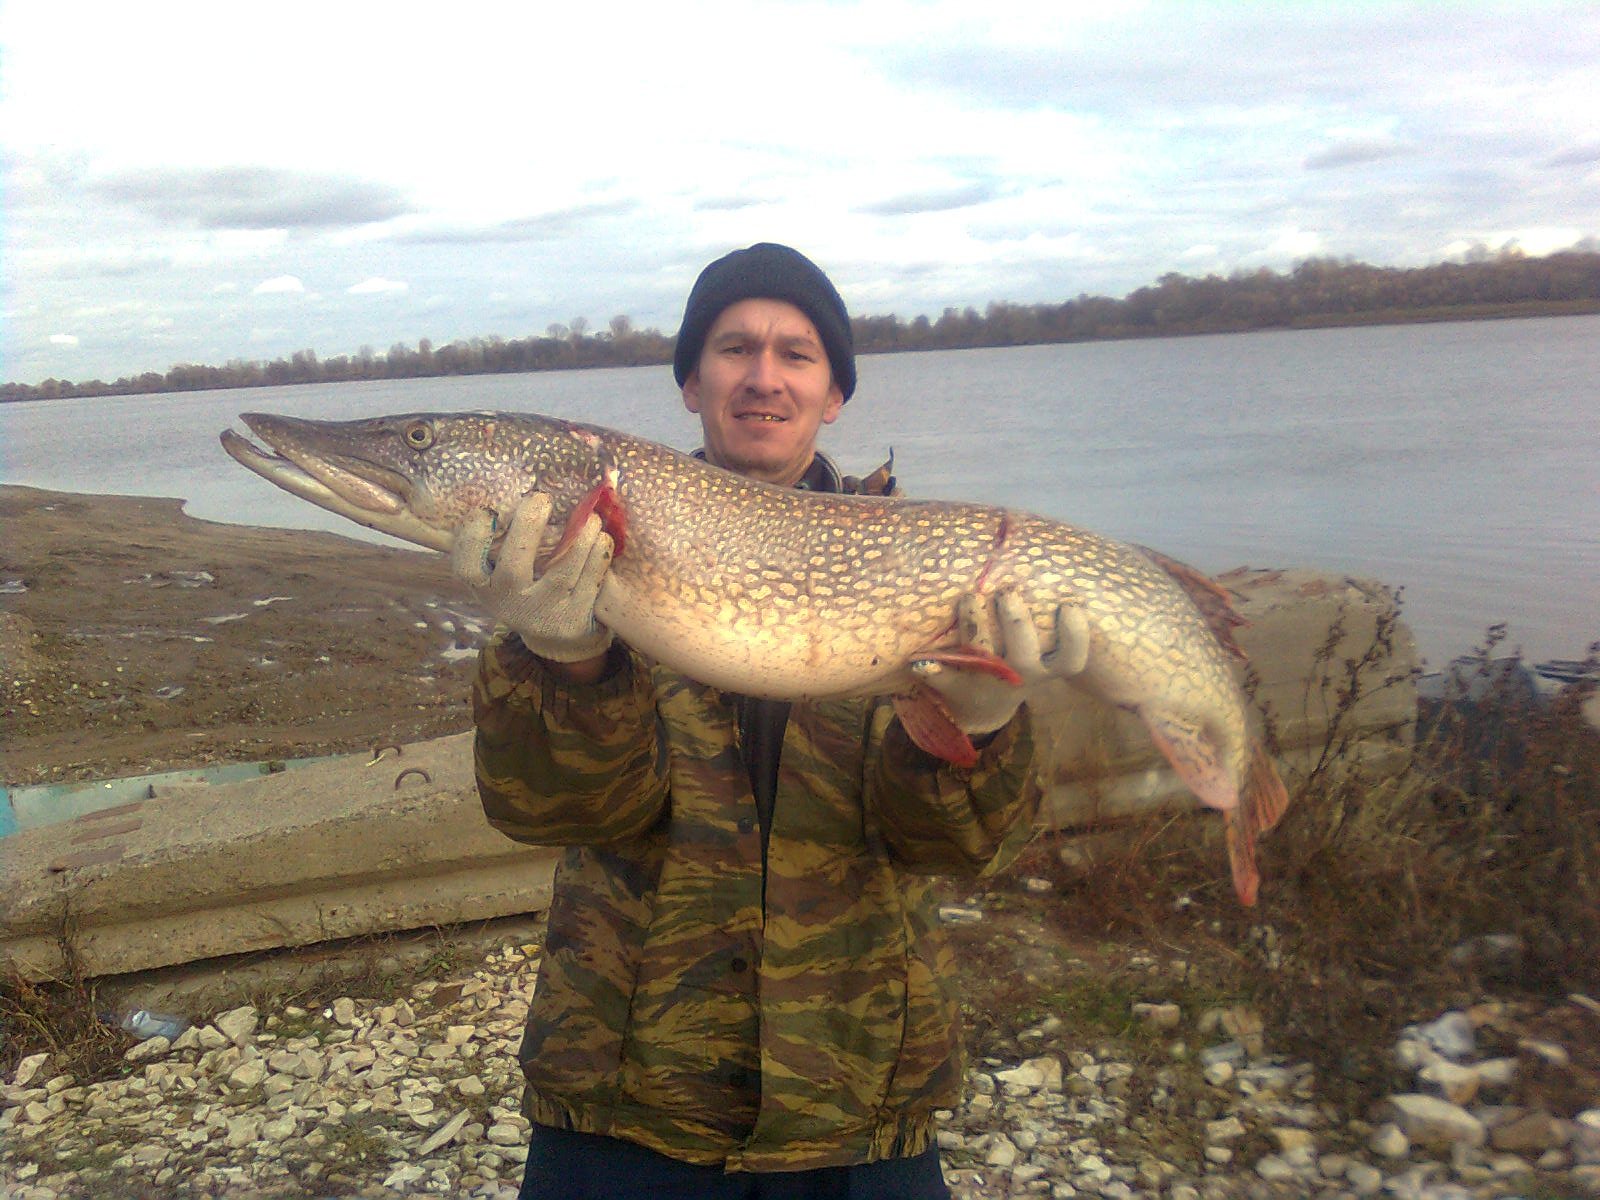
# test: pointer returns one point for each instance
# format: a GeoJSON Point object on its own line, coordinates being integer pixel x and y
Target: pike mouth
{"type": "Point", "coordinates": [354, 488]}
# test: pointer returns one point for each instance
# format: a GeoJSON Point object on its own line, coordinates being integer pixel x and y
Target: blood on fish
{"type": "Point", "coordinates": [605, 503]}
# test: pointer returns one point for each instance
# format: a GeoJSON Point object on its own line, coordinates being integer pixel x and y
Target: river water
{"type": "Point", "coordinates": [1458, 461]}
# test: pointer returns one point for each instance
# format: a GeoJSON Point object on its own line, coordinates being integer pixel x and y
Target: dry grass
{"type": "Point", "coordinates": [72, 1019]}
{"type": "Point", "coordinates": [62, 1017]}
{"type": "Point", "coordinates": [1371, 889]}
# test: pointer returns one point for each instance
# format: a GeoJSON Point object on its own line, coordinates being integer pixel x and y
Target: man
{"type": "Point", "coordinates": [744, 991]}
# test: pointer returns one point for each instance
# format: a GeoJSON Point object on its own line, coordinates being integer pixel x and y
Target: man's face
{"type": "Point", "coordinates": [764, 389]}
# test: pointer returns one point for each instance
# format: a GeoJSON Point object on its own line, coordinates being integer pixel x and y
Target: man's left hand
{"type": "Point", "coordinates": [980, 702]}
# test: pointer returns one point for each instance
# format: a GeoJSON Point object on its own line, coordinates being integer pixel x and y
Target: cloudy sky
{"type": "Point", "coordinates": [209, 181]}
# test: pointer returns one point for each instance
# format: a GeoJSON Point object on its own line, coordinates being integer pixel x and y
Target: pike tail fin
{"type": "Point", "coordinates": [1262, 804]}
{"type": "Point", "coordinates": [1251, 808]}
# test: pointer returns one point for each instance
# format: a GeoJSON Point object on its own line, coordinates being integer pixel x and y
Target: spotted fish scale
{"type": "Point", "coordinates": [770, 591]}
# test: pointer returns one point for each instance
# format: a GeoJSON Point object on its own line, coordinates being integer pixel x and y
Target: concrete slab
{"type": "Point", "coordinates": [332, 850]}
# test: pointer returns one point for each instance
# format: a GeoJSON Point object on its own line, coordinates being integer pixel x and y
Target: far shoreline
{"type": "Point", "coordinates": [1317, 294]}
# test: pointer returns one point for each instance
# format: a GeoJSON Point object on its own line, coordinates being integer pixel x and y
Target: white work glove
{"type": "Point", "coordinates": [982, 703]}
{"type": "Point", "coordinates": [552, 613]}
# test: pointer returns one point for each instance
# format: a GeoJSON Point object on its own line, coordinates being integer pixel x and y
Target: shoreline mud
{"type": "Point", "coordinates": [135, 638]}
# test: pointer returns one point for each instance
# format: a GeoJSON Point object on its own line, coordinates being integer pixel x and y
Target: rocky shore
{"type": "Point", "coordinates": [418, 1094]}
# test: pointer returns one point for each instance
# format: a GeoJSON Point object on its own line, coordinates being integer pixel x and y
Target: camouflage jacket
{"type": "Point", "coordinates": [780, 1016]}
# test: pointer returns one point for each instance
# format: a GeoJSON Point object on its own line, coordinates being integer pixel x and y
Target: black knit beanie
{"type": "Point", "coordinates": [771, 272]}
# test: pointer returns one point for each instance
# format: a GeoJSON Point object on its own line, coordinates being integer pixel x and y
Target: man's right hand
{"type": "Point", "coordinates": [552, 613]}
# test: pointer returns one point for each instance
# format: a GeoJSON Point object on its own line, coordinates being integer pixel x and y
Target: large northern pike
{"type": "Point", "coordinates": [769, 591]}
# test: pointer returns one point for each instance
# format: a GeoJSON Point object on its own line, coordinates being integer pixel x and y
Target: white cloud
{"type": "Point", "coordinates": [278, 284]}
{"type": "Point", "coordinates": [940, 154]}
{"type": "Point", "coordinates": [63, 339]}
{"type": "Point", "coordinates": [377, 285]}
{"type": "Point", "coordinates": [1294, 244]}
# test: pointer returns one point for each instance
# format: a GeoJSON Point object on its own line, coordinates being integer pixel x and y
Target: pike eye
{"type": "Point", "coordinates": [418, 435]}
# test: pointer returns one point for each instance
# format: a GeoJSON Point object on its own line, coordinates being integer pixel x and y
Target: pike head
{"type": "Point", "coordinates": [419, 475]}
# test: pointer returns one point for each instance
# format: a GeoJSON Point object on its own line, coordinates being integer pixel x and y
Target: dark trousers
{"type": "Point", "coordinates": [563, 1165]}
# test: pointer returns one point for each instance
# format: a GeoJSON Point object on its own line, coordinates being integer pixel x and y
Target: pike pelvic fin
{"type": "Point", "coordinates": [1263, 803]}
{"type": "Point", "coordinates": [928, 723]}
{"type": "Point", "coordinates": [605, 502]}
{"type": "Point", "coordinates": [1195, 756]}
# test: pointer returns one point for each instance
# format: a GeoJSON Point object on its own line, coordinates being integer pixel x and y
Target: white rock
{"type": "Point", "coordinates": [1292, 1141]}
{"type": "Point", "coordinates": [1158, 1016]}
{"type": "Point", "coordinates": [150, 1155]}
{"type": "Point", "coordinates": [404, 1175]}
{"type": "Point", "coordinates": [1034, 1073]}
{"type": "Point", "coordinates": [239, 1025]}
{"type": "Point", "coordinates": [1550, 1052]}
{"type": "Point", "coordinates": [1432, 1122]}
{"type": "Point", "coordinates": [1389, 1141]}
{"type": "Point", "coordinates": [1585, 1143]}
{"type": "Point", "coordinates": [1364, 1180]}
{"type": "Point", "coordinates": [1497, 1074]}
{"type": "Point", "coordinates": [28, 1069]}
{"type": "Point", "coordinates": [279, 1129]}
{"type": "Point", "coordinates": [1451, 1035]}
{"type": "Point", "coordinates": [1413, 1053]}
{"type": "Point", "coordinates": [1227, 1129]}
{"type": "Point", "coordinates": [1335, 1165]}
{"type": "Point", "coordinates": [149, 1048]}
{"type": "Point", "coordinates": [1002, 1152]}
{"type": "Point", "coordinates": [1273, 1168]}
{"type": "Point", "coordinates": [1218, 1073]}
{"type": "Point", "coordinates": [1456, 1083]}
{"type": "Point", "coordinates": [248, 1075]}
{"type": "Point", "coordinates": [503, 1134]}
{"type": "Point", "coordinates": [443, 1134]}
{"type": "Point", "coordinates": [344, 1011]}
{"type": "Point", "coordinates": [243, 1131]}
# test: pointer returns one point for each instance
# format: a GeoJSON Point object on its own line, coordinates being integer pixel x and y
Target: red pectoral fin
{"type": "Point", "coordinates": [972, 658]}
{"type": "Point", "coordinates": [605, 502]}
{"type": "Point", "coordinates": [928, 723]}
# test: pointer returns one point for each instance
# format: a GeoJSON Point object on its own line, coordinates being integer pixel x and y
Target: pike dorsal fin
{"type": "Point", "coordinates": [1213, 600]}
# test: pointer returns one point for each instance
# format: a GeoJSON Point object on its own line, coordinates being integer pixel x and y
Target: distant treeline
{"type": "Point", "coordinates": [1318, 292]}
